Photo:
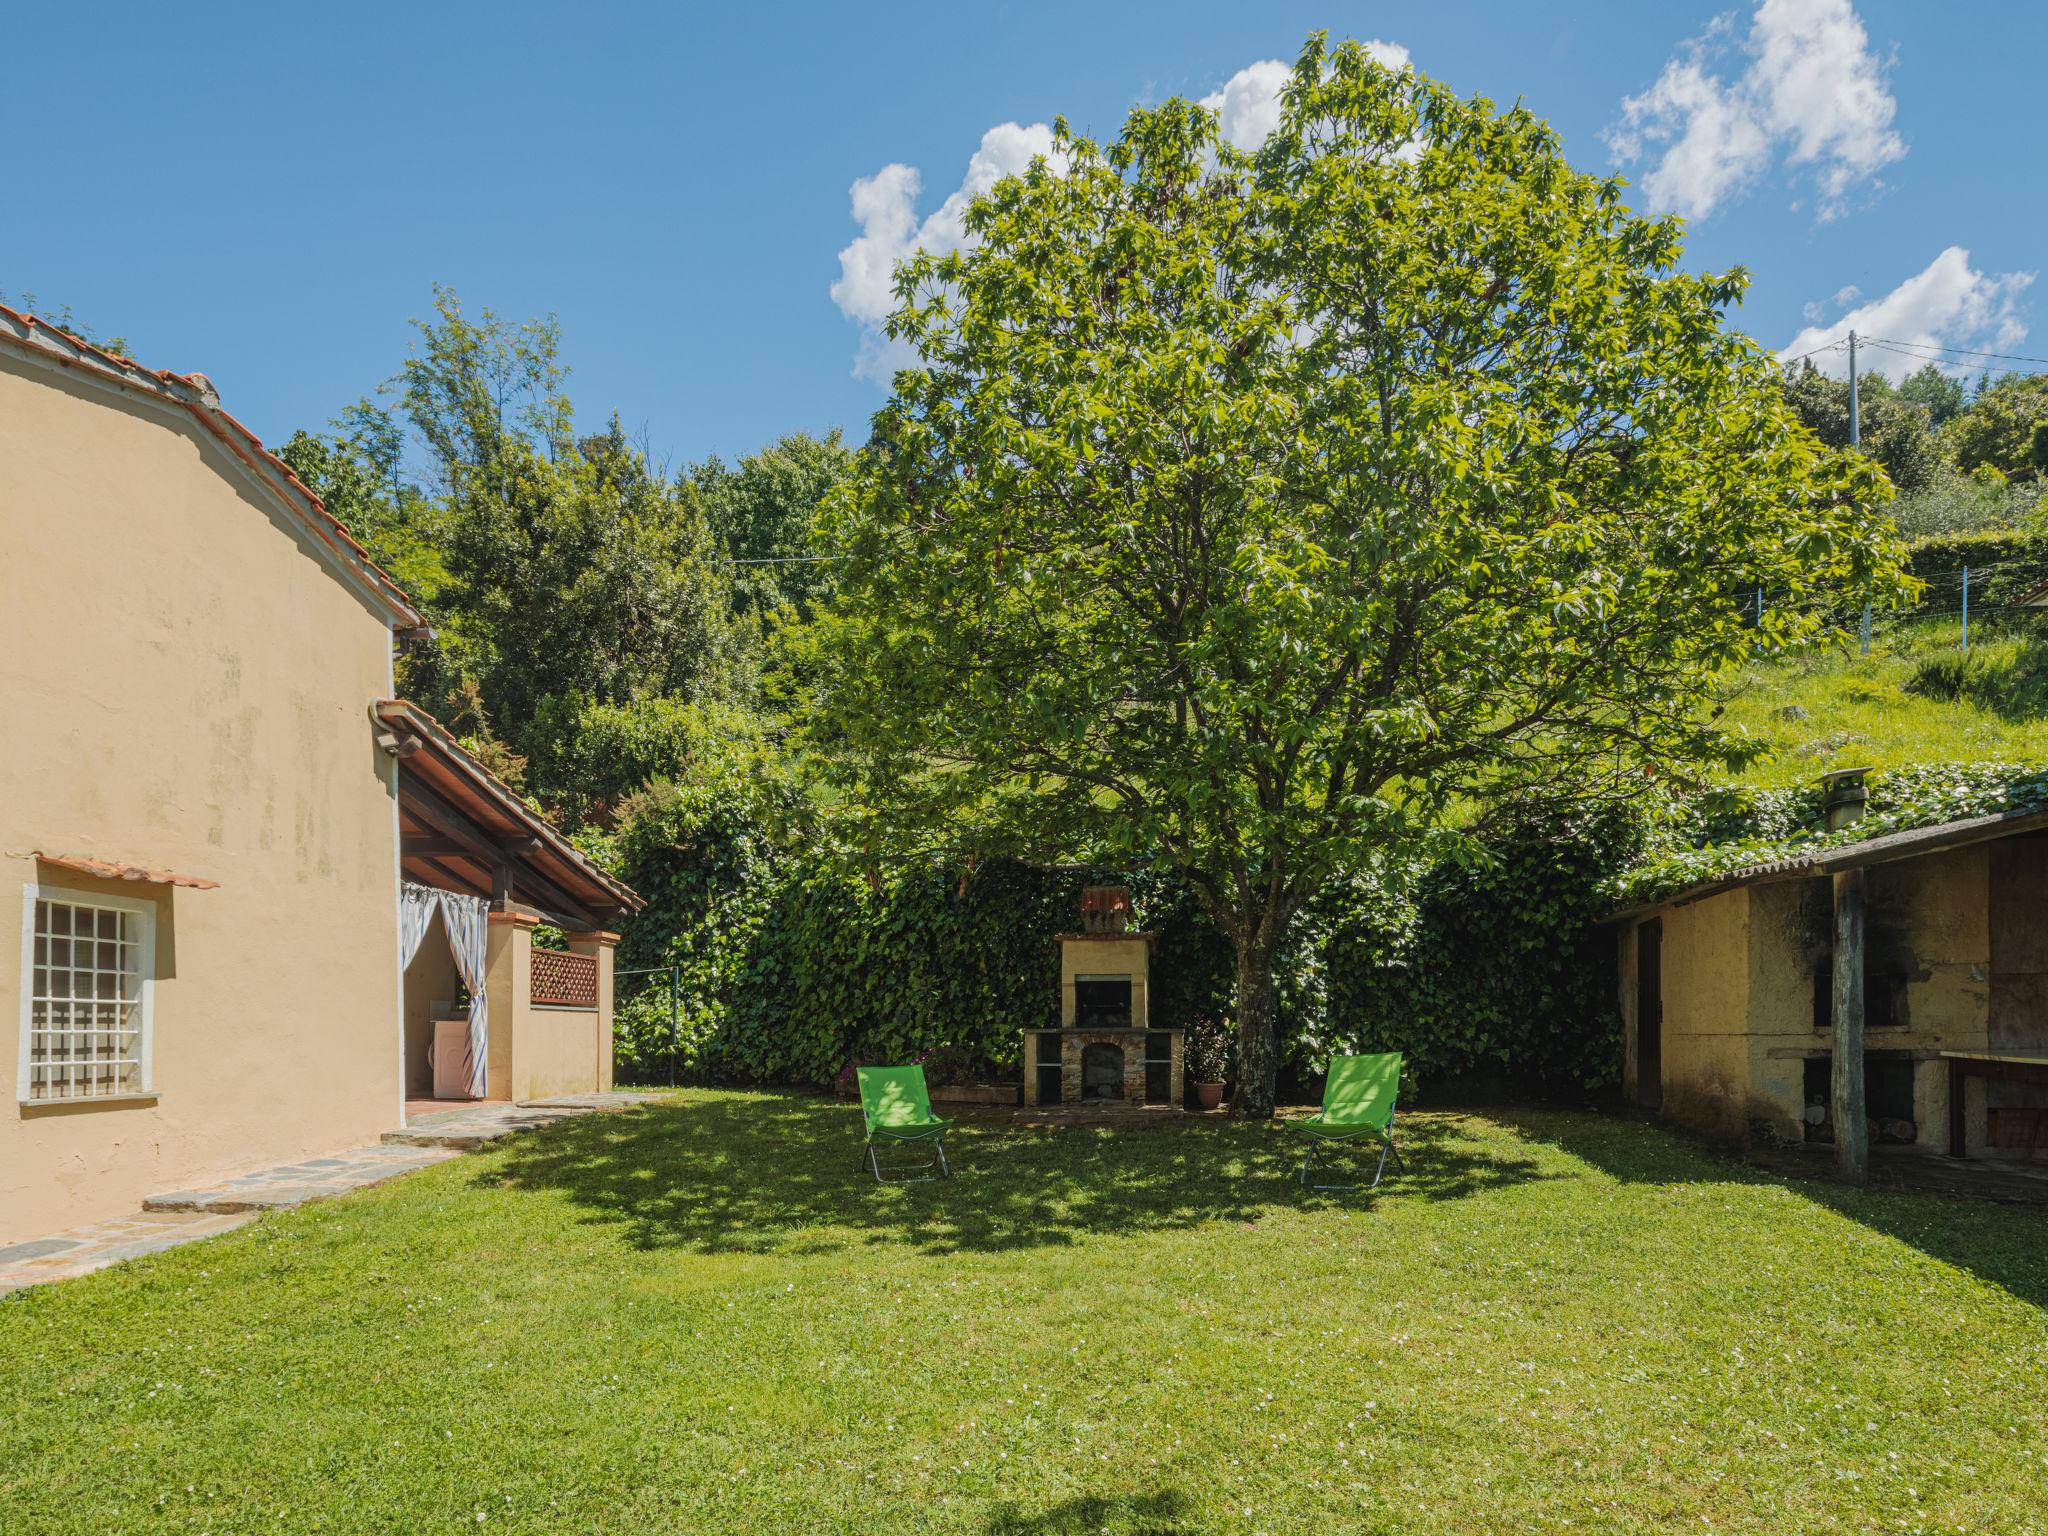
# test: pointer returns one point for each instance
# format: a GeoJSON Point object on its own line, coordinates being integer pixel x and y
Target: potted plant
{"type": "Point", "coordinates": [1208, 1048]}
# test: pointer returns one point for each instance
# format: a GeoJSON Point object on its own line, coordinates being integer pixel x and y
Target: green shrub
{"type": "Point", "coordinates": [2004, 673]}
{"type": "Point", "coordinates": [1954, 675]}
{"type": "Point", "coordinates": [1955, 505]}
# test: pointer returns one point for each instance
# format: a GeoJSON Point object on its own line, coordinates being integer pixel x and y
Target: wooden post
{"type": "Point", "coordinates": [1846, 1100]}
{"type": "Point", "coordinates": [1956, 1106]}
{"type": "Point", "coordinates": [1842, 800]}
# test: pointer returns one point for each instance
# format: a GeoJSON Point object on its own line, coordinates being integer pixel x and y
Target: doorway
{"type": "Point", "coordinates": [1650, 1013]}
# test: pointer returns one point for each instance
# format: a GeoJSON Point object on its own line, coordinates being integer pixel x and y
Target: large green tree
{"type": "Point", "coordinates": [1264, 511]}
{"type": "Point", "coordinates": [357, 470]}
{"type": "Point", "coordinates": [1939, 394]}
{"type": "Point", "coordinates": [1997, 431]}
{"type": "Point", "coordinates": [1894, 431]}
{"type": "Point", "coordinates": [574, 588]}
{"type": "Point", "coordinates": [762, 510]}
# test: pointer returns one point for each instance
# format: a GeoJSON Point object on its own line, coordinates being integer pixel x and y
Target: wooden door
{"type": "Point", "coordinates": [1650, 1013]}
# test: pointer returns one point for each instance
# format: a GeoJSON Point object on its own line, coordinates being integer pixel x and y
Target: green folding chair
{"type": "Point", "coordinates": [898, 1112]}
{"type": "Point", "coordinates": [1358, 1106]}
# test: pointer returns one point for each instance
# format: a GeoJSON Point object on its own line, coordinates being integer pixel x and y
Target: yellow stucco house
{"type": "Point", "coordinates": [1726, 993]}
{"type": "Point", "coordinates": [261, 902]}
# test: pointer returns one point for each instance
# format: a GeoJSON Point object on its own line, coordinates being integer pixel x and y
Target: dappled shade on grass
{"type": "Point", "coordinates": [750, 1176]}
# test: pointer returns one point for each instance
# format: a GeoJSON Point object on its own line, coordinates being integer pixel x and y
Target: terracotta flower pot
{"type": "Point", "coordinates": [1209, 1095]}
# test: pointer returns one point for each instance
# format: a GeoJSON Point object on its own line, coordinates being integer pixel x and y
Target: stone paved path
{"type": "Point", "coordinates": [465, 1127]}
{"type": "Point", "coordinates": [84, 1249]}
{"type": "Point", "coordinates": [185, 1215]}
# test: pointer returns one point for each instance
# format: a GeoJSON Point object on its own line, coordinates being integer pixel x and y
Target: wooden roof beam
{"type": "Point", "coordinates": [502, 856]}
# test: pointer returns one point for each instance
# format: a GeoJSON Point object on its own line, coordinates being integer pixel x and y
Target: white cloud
{"type": "Point", "coordinates": [1810, 92]}
{"type": "Point", "coordinates": [1247, 107]}
{"type": "Point", "coordinates": [1950, 304]}
{"type": "Point", "coordinates": [885, 207]}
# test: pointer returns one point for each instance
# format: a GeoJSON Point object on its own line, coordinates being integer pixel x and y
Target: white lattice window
{"type": "Point", "coordinates": [86, 964]}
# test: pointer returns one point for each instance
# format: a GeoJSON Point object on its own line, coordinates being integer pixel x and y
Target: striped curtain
{"type": "Point", "coordinates": [467, 920]}
{"type": "Point", "coordinates": [416, 905]}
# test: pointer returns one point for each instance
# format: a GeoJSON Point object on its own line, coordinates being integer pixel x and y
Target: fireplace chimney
{"type": "Point", "coordinates": [1105, 909]}
{"type": "Point", "coordinates": [1842, 797]}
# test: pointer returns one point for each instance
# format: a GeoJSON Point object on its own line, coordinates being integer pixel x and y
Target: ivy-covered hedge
{"type": "Point", "coordinates": [1494, 965]}
{"type": "Point", "coordinates": [792, 963]}
{"type": "Point", "coordinates": [1491, 963]}
{"type": "Point", "coordinates": [2014, 559]}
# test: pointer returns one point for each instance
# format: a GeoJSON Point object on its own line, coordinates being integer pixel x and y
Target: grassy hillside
{"type": "Point", "coordinates": [1915, 699]}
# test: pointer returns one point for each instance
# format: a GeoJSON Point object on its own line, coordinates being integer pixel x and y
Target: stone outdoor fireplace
{"type": "Point", "coordinates": [1105, 1054]}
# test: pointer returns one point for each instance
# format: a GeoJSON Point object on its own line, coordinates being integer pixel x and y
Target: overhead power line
{"type": "Point", "coordinates": [1956, 363]}
{"type": "Point", "coordinates": [1936, 346]}
{"type": "Point", "coordinates": [1927, 352]}
{"type": "Point", "coordinates": [1816, 352]}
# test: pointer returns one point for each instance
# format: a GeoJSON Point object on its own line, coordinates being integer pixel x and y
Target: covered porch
{"type": "Point", "coordinates": [489, 1013]}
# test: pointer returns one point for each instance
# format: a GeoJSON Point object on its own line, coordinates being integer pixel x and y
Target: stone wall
{"type": "Point", "coordinates": [1075, 1042]}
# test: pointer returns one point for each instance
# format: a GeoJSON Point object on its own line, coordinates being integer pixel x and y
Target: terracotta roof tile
{"type": "Point", "coordinates": [107, 869]}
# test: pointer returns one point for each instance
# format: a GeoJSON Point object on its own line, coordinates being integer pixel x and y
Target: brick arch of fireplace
{"type": "Point", "coordinates": [1102, 1070]}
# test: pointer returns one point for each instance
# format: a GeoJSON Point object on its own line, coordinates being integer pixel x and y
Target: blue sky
{"type": "Point", "coordinates": [266, 193]}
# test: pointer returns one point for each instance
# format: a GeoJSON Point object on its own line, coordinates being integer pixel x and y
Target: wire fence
{"type": "Point", "coordinates": [646, 1058]}
{"type": "Point", "coordinates": [1975, 599]}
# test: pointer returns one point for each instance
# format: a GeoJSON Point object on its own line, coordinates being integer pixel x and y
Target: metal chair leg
{"type": "Point", "coordinates": [937, 1168]}
{"type": "Point", "coordinates": [1315, 1161]}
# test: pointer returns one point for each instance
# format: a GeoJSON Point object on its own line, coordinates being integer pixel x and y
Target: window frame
{"type": "Point", "coordinates": [144, 911]}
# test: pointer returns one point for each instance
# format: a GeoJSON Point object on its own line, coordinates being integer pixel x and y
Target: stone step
{"type": "Point", "coordinates": [318, 1178]}
{"type": "Point", "coordinates": [465, 1127]}
{"type": "Point", "coordinates": [466, 1135]}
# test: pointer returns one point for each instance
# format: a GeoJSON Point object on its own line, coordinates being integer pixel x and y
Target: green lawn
{"type": "Point", "coordinates": [698, 1318]}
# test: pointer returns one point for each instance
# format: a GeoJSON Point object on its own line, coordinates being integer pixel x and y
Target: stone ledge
{"type": "Point", "coordinates": [979, 1093]}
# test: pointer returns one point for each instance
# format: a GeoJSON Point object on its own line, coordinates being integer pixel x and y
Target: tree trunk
{"type": "Point", "coordinates": [1258, 1049]}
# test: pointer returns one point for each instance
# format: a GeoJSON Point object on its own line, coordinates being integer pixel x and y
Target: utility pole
{"type": "Point", "coordinates": [1856, 441]}
{"type": "Point", "coordinates": [1855, 418]}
